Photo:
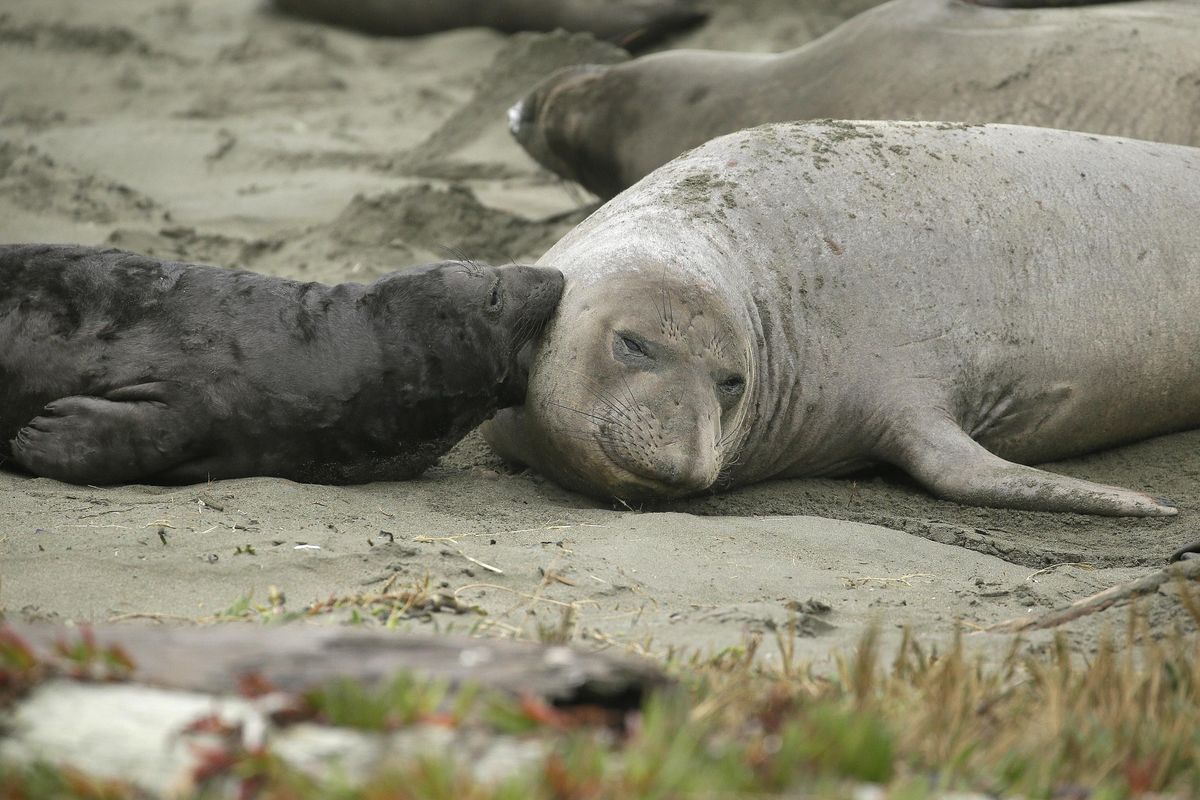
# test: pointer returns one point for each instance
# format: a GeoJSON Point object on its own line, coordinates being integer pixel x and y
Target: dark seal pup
{"type": "Point", "coordinates": [116, 367]}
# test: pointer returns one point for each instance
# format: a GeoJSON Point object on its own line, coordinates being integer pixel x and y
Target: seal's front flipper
{"type": "Point", "coordinates": [131, 434]}
{"type": "Point", "coordinates": [937, 452]}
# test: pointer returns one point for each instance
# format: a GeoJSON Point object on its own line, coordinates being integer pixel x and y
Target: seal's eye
{"type": "Point", "coordinates": [494, 297]}
{"type": "Point", "coordinates": [633, 346]}
{"type": "Point", "coordinates": [733, 386]}
{"type": "Point", "coordinates": [631, 351]}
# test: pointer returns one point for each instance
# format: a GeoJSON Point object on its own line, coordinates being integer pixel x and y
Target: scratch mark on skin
{"type": "Point", "coordinates": [930, 338]}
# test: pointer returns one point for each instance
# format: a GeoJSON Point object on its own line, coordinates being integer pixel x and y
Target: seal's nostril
{"type": "Point", "coordinates": [516, 115]}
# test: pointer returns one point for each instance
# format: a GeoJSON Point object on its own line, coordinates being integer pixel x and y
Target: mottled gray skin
{"type": "Point", "coordinates": [117, 368]}
{"type": "Point", "coordinates": [626, 22]}
{"type": "Point", "coordinates": [954, 300]}
{"type": "Point", "coordinates": [1123, 69]}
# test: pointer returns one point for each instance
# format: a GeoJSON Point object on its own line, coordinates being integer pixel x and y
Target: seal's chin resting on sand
{"type": "Point", "coordinates": [808, 299]}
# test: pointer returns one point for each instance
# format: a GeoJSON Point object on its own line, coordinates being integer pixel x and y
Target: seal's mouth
{"type": "Point", "coordinates": [633, 481]}
{"type": "Point", "coordinates": [630, 486]}
{"type": "Point", "coordinates": [516, 382]}
{"type": "Point", "coordinates": [524, 359]}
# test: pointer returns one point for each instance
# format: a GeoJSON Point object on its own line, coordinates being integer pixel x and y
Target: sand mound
{"type": "Point", "coordinates": [36, 183]}
{"type": "Point", "coordinates": [451, 221]}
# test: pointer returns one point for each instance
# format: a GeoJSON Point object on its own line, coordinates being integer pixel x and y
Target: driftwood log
{"type": "Point", "coordinates": [198, 699]}
{"type": "Point", "coordinates": [293, 658]}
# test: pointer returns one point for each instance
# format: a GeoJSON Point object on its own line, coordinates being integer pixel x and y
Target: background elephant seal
{"type": "Point", "coordinates": [807, 299]}
{"type": "Point", "coordinates": [631, 23]}
{"type": "Point", "coordinates": [115, 367]}
{"type": "Point", "coordinates": [1124, 69]}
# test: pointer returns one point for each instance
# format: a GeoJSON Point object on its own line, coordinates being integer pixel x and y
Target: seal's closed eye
{"type": "Point", "coordinates": [733, 386]}
{"type": "Point", "coordinates": [495, 298]}
{"type": "Point", "coordinates": [629, 349]}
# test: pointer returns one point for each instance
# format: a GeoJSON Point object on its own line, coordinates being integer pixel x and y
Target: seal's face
{"type": "Point", "coordinates": [557, 123]}
{"type": "Point", "coordinates": [475, 324]}
{"type": "Point", "coordinates": [639, 391]}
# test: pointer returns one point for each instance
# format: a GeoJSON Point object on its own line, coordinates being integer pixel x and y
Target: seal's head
{"type": "Point", "coordinates": [467, 329]}
{"type": "Point", "coordinates": [562, 124]}
{"type": "Point", "coordinates": [639, 391]}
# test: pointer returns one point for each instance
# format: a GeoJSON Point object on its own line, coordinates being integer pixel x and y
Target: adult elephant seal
{"type": "Point", "coordinates": [807, 299]}
{"type": "Point", "coordinates": [631, 23]}
{"type": "Point", "coordinates": [1125, 69]}
{"type": "Point", "coordinates": [115, 367]}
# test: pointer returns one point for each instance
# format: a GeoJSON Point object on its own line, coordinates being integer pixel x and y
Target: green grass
{"type": "Point", "coordinates": [389, 606]}
{"type": "Point", "coordinates": [1122, 723]}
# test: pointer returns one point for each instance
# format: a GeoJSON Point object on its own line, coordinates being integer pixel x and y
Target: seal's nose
{"type": "Point", "coordinates": [690, 471]}
{"type": "Point", "coordinates": [538, 289]}
{"type": "Point", "coordinates": [520, 114]}
{"type": "Point", "coordinates": [548, 97]}
{"type": "Point", "coordinates": [685, 463]}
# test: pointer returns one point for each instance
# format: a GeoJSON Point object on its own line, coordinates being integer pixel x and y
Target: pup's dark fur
{"type": "Point", "coordinates": [116, 367]}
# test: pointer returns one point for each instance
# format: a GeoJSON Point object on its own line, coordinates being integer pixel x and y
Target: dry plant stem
{"type": "Point", "coordinates": [479, 563]}
{"type": "Point", "coordinates": [153, 616]}
{"type": "Point", "coordinates": [1121, 593]}
{"type": "Point", "coordinates": [537, 598]}
{"type": "Point", "coordinates": [1080, 564]}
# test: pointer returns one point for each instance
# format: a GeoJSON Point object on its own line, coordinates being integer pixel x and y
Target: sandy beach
{"type": "Point", "coordinates": [223, 133]}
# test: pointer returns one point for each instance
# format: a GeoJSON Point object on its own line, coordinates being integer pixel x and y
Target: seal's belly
{"type": "Point", "coordinates": [1063, 419]}
{"type": "Point", "coordinates": [1105, 362]}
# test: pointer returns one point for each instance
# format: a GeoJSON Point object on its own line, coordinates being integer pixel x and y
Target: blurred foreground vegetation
{"type": "Point", "coordinates": [1122, 722]}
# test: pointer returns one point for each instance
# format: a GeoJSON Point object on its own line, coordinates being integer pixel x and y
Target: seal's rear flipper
{"type": "Point", "coordinates": [938, 452]}
{"type": "Point", "coordinates": [129, 435]}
